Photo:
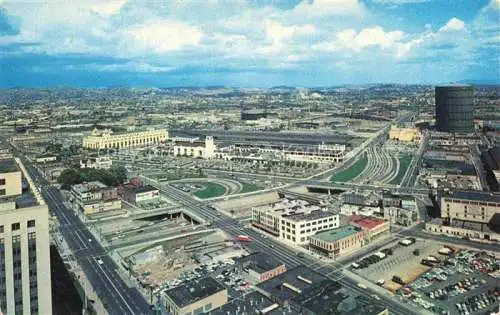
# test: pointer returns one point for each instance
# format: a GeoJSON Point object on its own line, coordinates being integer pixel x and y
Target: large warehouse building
{"type": "Point", "coordinates": [454, 108]}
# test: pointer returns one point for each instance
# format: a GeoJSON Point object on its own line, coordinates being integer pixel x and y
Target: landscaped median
{"type": "Point", "coordinates": [210, 190]}
{"type": "Point", "coordinates": [352, 171]}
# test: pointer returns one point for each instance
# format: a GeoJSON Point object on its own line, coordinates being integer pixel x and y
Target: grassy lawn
{"type": "Point", "coordinates": [404, 162]}
{"type": "Point", "coordinates": [248, 187]}
{"type": "Point", "coordinates": [352, 171]}
{"type": "Point", "coordinates": [210, 190]}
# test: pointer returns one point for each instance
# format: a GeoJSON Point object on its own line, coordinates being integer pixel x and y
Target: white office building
{"type": "Point", "coordinates": [25, 283]}
{"type": "Point", "coordinates": [294, 221]}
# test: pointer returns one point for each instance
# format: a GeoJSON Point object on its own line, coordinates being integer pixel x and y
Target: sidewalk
{"type": "Point", "coordinates": [90, 292]}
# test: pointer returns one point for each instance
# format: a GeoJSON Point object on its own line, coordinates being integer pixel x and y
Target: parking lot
{"type": "Point", "coordinates": [460, 285]}
{"type": "Point", "coordinates": [398, 260]}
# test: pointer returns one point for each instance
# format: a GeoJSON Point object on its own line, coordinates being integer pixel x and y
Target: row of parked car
{"type": "Point", "coordinates": [479, 302]}
{"type": "Point", "coordinates": [372, 259]}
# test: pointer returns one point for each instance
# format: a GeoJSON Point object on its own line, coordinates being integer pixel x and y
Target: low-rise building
{"type": "Point", "coordinates": [338, 242]}
{"type": "Point", "coordinates": [106, 139]}
{"type": "Point", "coordinates": [195, 148]}
{"type": "Point", "coordinates": [100, 162]}
{"type": "Point", "coordinates": [196, 297]}
{"type": "Point", "coordinates": [95, 197]}
{"type": "Point", "coordinates": [373, 228]}
{"type": "Point", "coordinates": [401, 216]}
{"type": "Point", "coordinates": [304, 291]}
{"type": "Point", "coordinates": [258, 267]}
{"type": "Point", "coordinates": [139, 194]}
{"type": "Point", "coordinates": [466, 229]}
{"type": "Point", "coordinates": [46, 158]}
{"type": "Point", "coordinates": [294, 220]}
{"type": "Point", "coordinates": [404, 134]}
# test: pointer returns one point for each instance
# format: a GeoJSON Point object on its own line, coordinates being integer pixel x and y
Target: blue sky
{"type": "Point", "coordinates": [247, 43]}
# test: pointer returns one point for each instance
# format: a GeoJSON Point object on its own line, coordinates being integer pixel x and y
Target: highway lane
{"type": "Point", "coordinates": [116, 296]}
{"type": "Point", "coordinates": [285, 254]}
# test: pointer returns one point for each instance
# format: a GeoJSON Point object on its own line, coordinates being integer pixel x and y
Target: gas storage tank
{"type": "Point", "coordinates": [454, 105]}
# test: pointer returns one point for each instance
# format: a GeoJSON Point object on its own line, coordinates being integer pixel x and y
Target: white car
{"type": "Point", "coordinates": [99, 261]}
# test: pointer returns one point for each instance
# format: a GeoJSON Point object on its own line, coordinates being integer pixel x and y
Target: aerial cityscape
{"type": "Point", "coordinates": [323, 157]}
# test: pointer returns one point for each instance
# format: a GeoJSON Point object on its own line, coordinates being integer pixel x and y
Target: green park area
{"type": "Point", "coordinates": [404, 162]}
{"type": "Point", "coordinates": [210, 190]}
{"type": "Point", "coordinates": [352, 171]}
{"type": "Point", "coordinates": [249, 187]}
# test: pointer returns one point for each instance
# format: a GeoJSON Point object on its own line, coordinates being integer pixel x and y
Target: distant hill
{"type": "Point", "coordinates": [480, 82]}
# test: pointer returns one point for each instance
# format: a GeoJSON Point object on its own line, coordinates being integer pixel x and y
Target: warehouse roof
{"type": "Point", "coordinates": [194, 291]}
{"type": "Point", "coordinates": [474, 195]}
{"type": "Point", "coordinates": [259, 262]}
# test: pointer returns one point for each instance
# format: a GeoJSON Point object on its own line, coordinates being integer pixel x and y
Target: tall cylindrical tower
{"type": "Point", "coordinates": [454, 108]}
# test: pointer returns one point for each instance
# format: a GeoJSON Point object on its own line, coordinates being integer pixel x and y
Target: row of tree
{"type": "Point", "coordinates": [111, 177]}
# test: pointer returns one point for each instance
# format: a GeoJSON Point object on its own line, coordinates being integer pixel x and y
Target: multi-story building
{"type": "Point", "coordinates": [100, 162]}
{"type": "Point", "coordinates": [25, 282]}
{"type": "Point", "coordinates": [95, 197]}
{"type": "Point", "coordinates": [139, 194]}
{"type": "Point", "coordinates": [471, 214]}
{"type": "Point", "coordinates": [293, 221]}
{"type": "Point", "coordinates": [372, 227]}
{"type": "Point", "coordinates": [338, 242]}
{"type": "Point", "coordinates": [106, 139]}
{"type": "Point", "coordinates": [195, 148]}
{"type": "Point", "coordinates": [258, 267]}
{"type": "Point", "coordinates": [474, 206]}
{"type": "Point", "coordinates": [196, 297]}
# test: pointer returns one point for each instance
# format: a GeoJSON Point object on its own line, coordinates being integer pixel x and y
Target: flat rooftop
{"type": "Point", "coordinates": [8, 166]}
{"type": "Point", "coordinates": [140, 189]}
{"type": "Point", "coordinates": [337, 234]}
{"type": "Point", "coordinates": [323, 299]}
{"type": "Point", "coordinates": [365, 222]}
{"type": "Point", "coordinates": [194, 291]}
{"type": "Point", "coordinates": [260, 262]}
{"type": "Point", "coordinates": [474, 195]}
{"type": "Point", "coordinates": [291, 283]}
{"type": "Point", "coordinates": [313, 215]}
{"type": "Point", "coordinates": [253, 303]}
{"type": "Point", "coordinates": [90, 186]}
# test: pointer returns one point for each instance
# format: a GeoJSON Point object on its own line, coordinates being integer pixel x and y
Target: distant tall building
{"type": "Point", "coordinates": [454, 108]}
{"type": "Point", "coordinates": [25, 283]}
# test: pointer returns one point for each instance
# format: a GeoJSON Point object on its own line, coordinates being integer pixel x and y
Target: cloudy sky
{"type": "Point", "coordinates": [247, 43]}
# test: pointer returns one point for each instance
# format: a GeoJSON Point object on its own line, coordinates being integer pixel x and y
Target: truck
{"type": "Point", "coordinates": [243, 238]}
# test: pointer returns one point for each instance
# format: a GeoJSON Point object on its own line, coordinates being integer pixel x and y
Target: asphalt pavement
{"type": "Point", "coordinates": [234, 228]}
{"type": "Point", "coordinates": [100, 269]}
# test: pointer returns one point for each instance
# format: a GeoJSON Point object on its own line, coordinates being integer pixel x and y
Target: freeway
{"type": "Point", "coordinates": [330, 185]}
{"type": "Point", "coordinates": [99, 268]}
{"type": "Point", "coordinates": [259, 243]}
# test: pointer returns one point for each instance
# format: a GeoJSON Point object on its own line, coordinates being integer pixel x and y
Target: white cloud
{"type": "Point", "coordinates": [329, 7]}
{"type": "Point", "coordinates": [161, 36]}
{"type": "Point", "coordinates": [275, 32]}
{"type": "Point", "coordinates": [453, 24]}
{"type": "Point", "coordinates": [107, 8]}
{"type": "Point", "coordinates": [372, 36]}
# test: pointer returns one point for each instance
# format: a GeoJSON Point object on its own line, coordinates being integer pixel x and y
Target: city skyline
{"type": "Point", "coordinates": [248, 43]}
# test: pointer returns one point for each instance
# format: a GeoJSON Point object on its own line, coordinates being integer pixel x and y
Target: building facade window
{"type": "Point", "coordinates": [2, 181]}
{"type": "Point", "coordinates": [15, 227]}
{"type": "Point", "coordinates": [17, 273]}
